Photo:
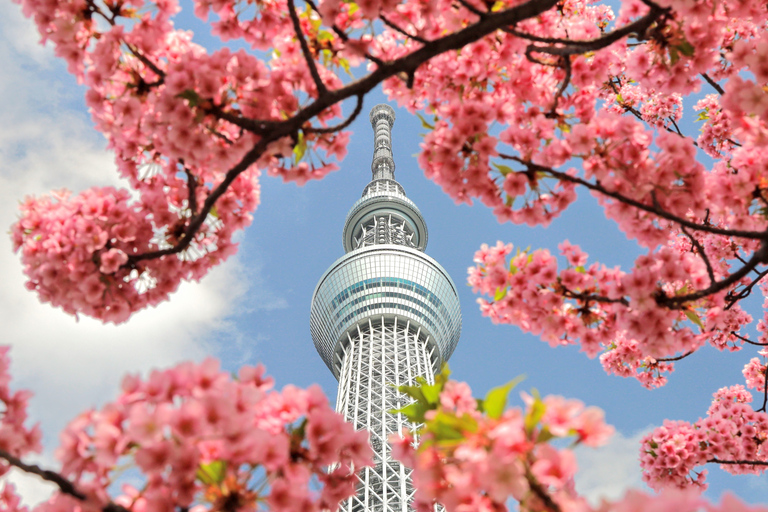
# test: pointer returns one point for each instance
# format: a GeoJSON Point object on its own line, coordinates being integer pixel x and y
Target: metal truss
{"type": "Point", "coordinates": [380, 355]}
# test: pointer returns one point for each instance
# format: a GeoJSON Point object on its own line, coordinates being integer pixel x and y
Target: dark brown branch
{"type": "Point", "coordinates": [540, 491]}
{"type": "Point", "coordinates": [701, 252]}
{"type": "Point", "coordinates": [341, 126]}
{"type": "Point", "coordinates": [745, 292]}
{"type": "Point", "coordinates": [677, 358]}
{"type": "Point", "coordinates": [754, 235]}
{"type": "Point", "coordinates": [714, 84]}
{"type": "Point", "coordinates": [408, 64]}
{"type": "Point", "coordinates": [577, 47]}
{"type": "Point", "coordinates": [566, 65]}
{"type": "Point", "coordinates": [402, 31]}
{"type": "Point", "coordinates": [321, 89]}
{"type": "Point", "coordinates": [192, 191]}
{"type": "Point", "coordinates": [64, 485]}
{"type": "Point", "coordinates": [739, 462]}
{"type": "Point", "coordinates": [588, 297]}
{"type": "Point", "coordinates": [765, 389]}
{"type": "Point", "coordinates": [471, 8]}
{"type": "Point", "coordinates": [760, 256]}
{"type": "Point", "coordinates": [747, 340]}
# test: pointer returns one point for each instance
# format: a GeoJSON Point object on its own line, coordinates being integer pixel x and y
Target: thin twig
{"type": "Point", "coordinates": [192, 191]}
{"type": "Point", "coordinates": [739, 462]}
{"type": "Point", "coordinates": [340, 126]}
{"type": "Point", "coordinates": [64, 485]}
{"type": "Point", "coordinates": [342, 35]}
{"type": "Point", "coordinates": [402, 31]}
{"type": "Point", "coordinates": [701, 252]}
{"type": "Point", "coordinates": [765, 389]}
{"type": "Point", "coordinates": [745, 292]}
{"type": "Point", "coordinates": [471, 8]}
{"type": "Point", "coordinates": [754, 235]}
{"type": "Point", "coordinates": [747, 340]}
{"type": "Point", "coordinates": [321, 89]}
{"type": "Point", "coordinates": [677, 358]}
{"type": "Point", "coordinates": [714, 84]}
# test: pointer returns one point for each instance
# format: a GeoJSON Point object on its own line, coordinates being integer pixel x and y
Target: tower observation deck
{"type": "Point", "coordinates": [383, 314]}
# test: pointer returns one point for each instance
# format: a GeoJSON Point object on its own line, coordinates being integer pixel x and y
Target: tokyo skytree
{"type": "Point", "coordinates": [383, 314]}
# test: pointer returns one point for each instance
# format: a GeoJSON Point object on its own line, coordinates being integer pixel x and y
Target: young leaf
{"type": "Point", "coordinates": [495, 400]}
{"type": "Point", "coordinates": [694, 317]}
{"type": "Point", "coordinates": [212, 473]}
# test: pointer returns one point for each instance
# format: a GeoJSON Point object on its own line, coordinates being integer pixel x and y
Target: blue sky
{"type": "Point", "coordinates": [256, 307]}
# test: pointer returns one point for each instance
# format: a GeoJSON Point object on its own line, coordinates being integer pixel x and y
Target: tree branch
{"type": "Point", "coordinates": [192, 191]}
{"type": "Point", "coordinates": [321, 89]}
{"type": "Point", "coordinates": [765, 389]}
{"type": "Point", "coordinates": [408, 64]}
{"type": "Point", "coordinates": [747, 340]}
{"type": "Point", "coordinates": [714, 84]}
{"type": "Point", "coordinates": [701, 252]}
{"type": "Point", "coordinates": [746, 291]}
{"type": "Point", "coordinates": [739, 462]}
{"type": "Point", "coordinates": [401, 31]}
{"type": "Point", "coordinates": [64, 485]}
{"type": "Point", "coordinates": [576, 47]}
{"type": "Point", "coordinates": [755, 235]}
{"type": "Point", "coordinates": [677, 358]}
{"type": "Point", "coordinates": [340, 126]}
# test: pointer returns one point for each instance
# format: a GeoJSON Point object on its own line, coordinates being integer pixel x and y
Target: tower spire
{"type": "Point", "coordinates": [383, 165]}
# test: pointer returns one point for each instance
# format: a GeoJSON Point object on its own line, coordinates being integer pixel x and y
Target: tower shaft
{"type": "Point", "coordinates": [381, 354]}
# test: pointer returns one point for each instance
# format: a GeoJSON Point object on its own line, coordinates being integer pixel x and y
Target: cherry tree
{"type": "Point", "coordinates": [524, 103]}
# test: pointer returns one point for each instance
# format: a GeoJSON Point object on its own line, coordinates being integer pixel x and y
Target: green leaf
{"type": "Point", "coordinates": [300, 148]}
{"type": "Point", "coordinates": [703, 115]}
{"type": "Point", "coordinates": [503, 169]}
{"type": "Point", "coordinates": [694, 317]}
{"type": "Point", "coordinates": [674, 55]}
{"type": "Point", "coordinates": [415, 412]}
{"type": "Point", "coordinates": [500, 294]}
{"type": "Point", "coordinates": [495, 400]}
{"type": "Point", "coordinates": [191, 96]}
{"type": "Point", "coordinates": [686, 49]}
{"type": "Point", "coordinates": [535, 413]}
{"type": "Point", "coordinates": [431, 393]}
{"type": "Point", "coordinates": [424, 122]}
{"type": "Point", "coordinates": [212, 473]}
{"type": "Point", "coordinates": [580, 269]}
{"type": "Point", "coordinates": [414, 392]}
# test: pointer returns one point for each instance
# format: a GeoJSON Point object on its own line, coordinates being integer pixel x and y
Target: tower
{"type": "Point", "coordinates": [383, 314]}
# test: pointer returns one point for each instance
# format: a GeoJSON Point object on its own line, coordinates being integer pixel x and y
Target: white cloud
{"type": "Point", "coordinates": [610, 471]}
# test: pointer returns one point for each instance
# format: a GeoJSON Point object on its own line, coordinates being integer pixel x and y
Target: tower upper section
{"type": "Point", "coordinates": [385, 276]}
{"type": "Point", "coordinates": [384, 215]}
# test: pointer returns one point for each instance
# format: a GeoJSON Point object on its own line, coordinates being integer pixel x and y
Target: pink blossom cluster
{"type": "Point", "coordinates": [16, 439]}
{"type": "Point", "coordinates": [607, 311]}
{"type": "Point", "coordinates": [731, 432]}
{"type": "Point", "coordinates": [501, 456]}
{"type": "Point", "coordinates": [201, 439]}
{"type": "Point", "coordinates": [183, 123]}
{"type": "Point", "coordinates": [505, 455]}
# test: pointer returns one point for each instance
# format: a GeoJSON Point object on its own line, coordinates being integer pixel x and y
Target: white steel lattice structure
{"type": "Point", "coordinates": [383, 314]}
